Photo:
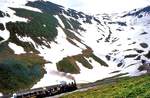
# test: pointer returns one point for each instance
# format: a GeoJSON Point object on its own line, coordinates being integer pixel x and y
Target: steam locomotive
{"type": "Point", "coordinates": [48, 91]}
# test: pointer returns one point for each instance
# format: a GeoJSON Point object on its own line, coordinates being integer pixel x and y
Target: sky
{"type": "Point", "coordinates": [102, 6]}
{"type": "Point", "coordinates": [93, 6]}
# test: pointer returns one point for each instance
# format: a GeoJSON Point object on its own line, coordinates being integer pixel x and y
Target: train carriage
{"type": "Point", "coordinates": [47, 91]}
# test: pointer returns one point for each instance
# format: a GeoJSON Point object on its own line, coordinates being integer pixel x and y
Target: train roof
{"type": "Point", "coordinates": [35, 90]}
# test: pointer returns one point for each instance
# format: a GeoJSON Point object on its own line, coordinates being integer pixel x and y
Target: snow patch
{"type": "Point", "coordinates": [1, 94]}
{"type": "Point", "coordinates": [27, 39]}
{"type": "Point", "coordinates": [44, 25]}
{"type": "Point", "coordinates": [17, 4]}
{"type": "Point", "coordinates": [51, 78]}
{"type": "Point", "coordinates": [98, 72]}
{"type": "Point", "coordinates": [30, 8]}
{"type": "Point", "coordinates": [5, 34]}
{"type": "Point", "coordinates": [79, 44]}
{"type": "Point", "coordinates": [132, 70]}
{"type": "Point", "coordinates": [17, 49]}
{"type": "Point", "coordinates": [12, 18]}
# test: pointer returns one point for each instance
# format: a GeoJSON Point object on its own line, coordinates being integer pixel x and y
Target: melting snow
{"type": "Point", "coordinates": [44, 25]}
{"type": "Point", "coordinates": [17, 4]}
{"type": "Point", "coordinates": [5, 34]}
{"type": "Point", "coordinates": [50, 78]}
{"type": "Point", "coordinates": [91, 75]}
{"type": "Point", "coordinates": [17, 49]}
{"type": "Point", "coordinates": [1, 94]}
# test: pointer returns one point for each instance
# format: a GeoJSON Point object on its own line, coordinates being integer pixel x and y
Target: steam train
{"type": "Point", "coordinates": [47, 91]}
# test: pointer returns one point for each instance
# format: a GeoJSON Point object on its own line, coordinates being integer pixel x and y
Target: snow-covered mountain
{"type": "Point", "coordinates": [42, 43]}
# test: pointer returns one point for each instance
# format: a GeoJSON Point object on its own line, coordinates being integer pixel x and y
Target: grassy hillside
{"type": "Point", "coordinates": [19, 72]}
{"type": "Point", "coordinates": [128, 87]}
{"type": "Point", "coordinates": [69, 65]}
{"type": "Point", "coordinates": [39, 25]}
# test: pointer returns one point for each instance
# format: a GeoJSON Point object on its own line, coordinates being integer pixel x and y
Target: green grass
{"type": "Point", "coordinates": [76, 25]}
{"type": "Point", "coordinates": [84, 62]}
{"type": "Point", "coordinates": [2, 27]}
{"type": "Point", "coordinates": [66, 22]}
{"type": "Point", "coordinates": [35, 26]}
{"type": "Point", "coordinates": [100, 61]}
{"type": "Point", "coordinates": [128, 87]}
{"type": "Point", "coordinates": [19, 72]}
{"type": "Point", "coordinates": [1, 39]}
{"type": "Point", "coordinates": [46, 7]}
{"type": "Point", "coordinates": [66, 65]}
{"type": "Point", "coordinates": [69, 65]}
{"type": "Point", "coordinates": [41, 25]}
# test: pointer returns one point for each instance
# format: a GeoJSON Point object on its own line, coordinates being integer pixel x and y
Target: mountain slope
{"type": "Point", "coordinates": [69, 42]}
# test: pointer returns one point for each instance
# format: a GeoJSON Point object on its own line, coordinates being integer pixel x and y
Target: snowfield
{"type": "Point", "coordinates": [17, 49]}
{"type": "Point", "coordinates": [1, 94]}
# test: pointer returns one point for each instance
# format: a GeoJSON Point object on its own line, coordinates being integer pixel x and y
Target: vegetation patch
{"type": "Point", "coordinates": [76, 25]}
{"type": "Point", "coordinates": [39, 25]}
{"type": "Point", "coordinates": [2, 27]}
{"type": "Point", "coordinates": [144, 45]}
{"type": "Point", "coordinates": [119, 64]}
{"type": "Point", "coordinates": [130, 56]}
{"type": "Point", "coordinates": [138, 58]}
{"type": "Point", "coordinates": [71, 24]}
{"type": "Point", "coordinates": [66, 65]}
{"type": "Point", "coordinates": [139, 51]}
{"type": "Point", "coordinates": [69, 65]}
{"type": "Point", "coordinates": [18, 72]}
{"type": "Point", "coordinates": [1, 14]}
{"type": "Point", "coordinates": [147, 55]}
{"type": "Point", "coordinates": [54, 9]}
{"type": "Point", "coordinates": [46, 7]}
{"type": "Point", "coordinates": [99, 60]}
{"type": "Point", "coordinates": [1, 38]}
{"type": "Point", "coordinates": [143, 33]}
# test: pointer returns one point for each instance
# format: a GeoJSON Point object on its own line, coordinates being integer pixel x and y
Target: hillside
{"type": "Point", "coordinates": [127, 87]}
{"type": "Point", "coordinates": [42, 42]}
